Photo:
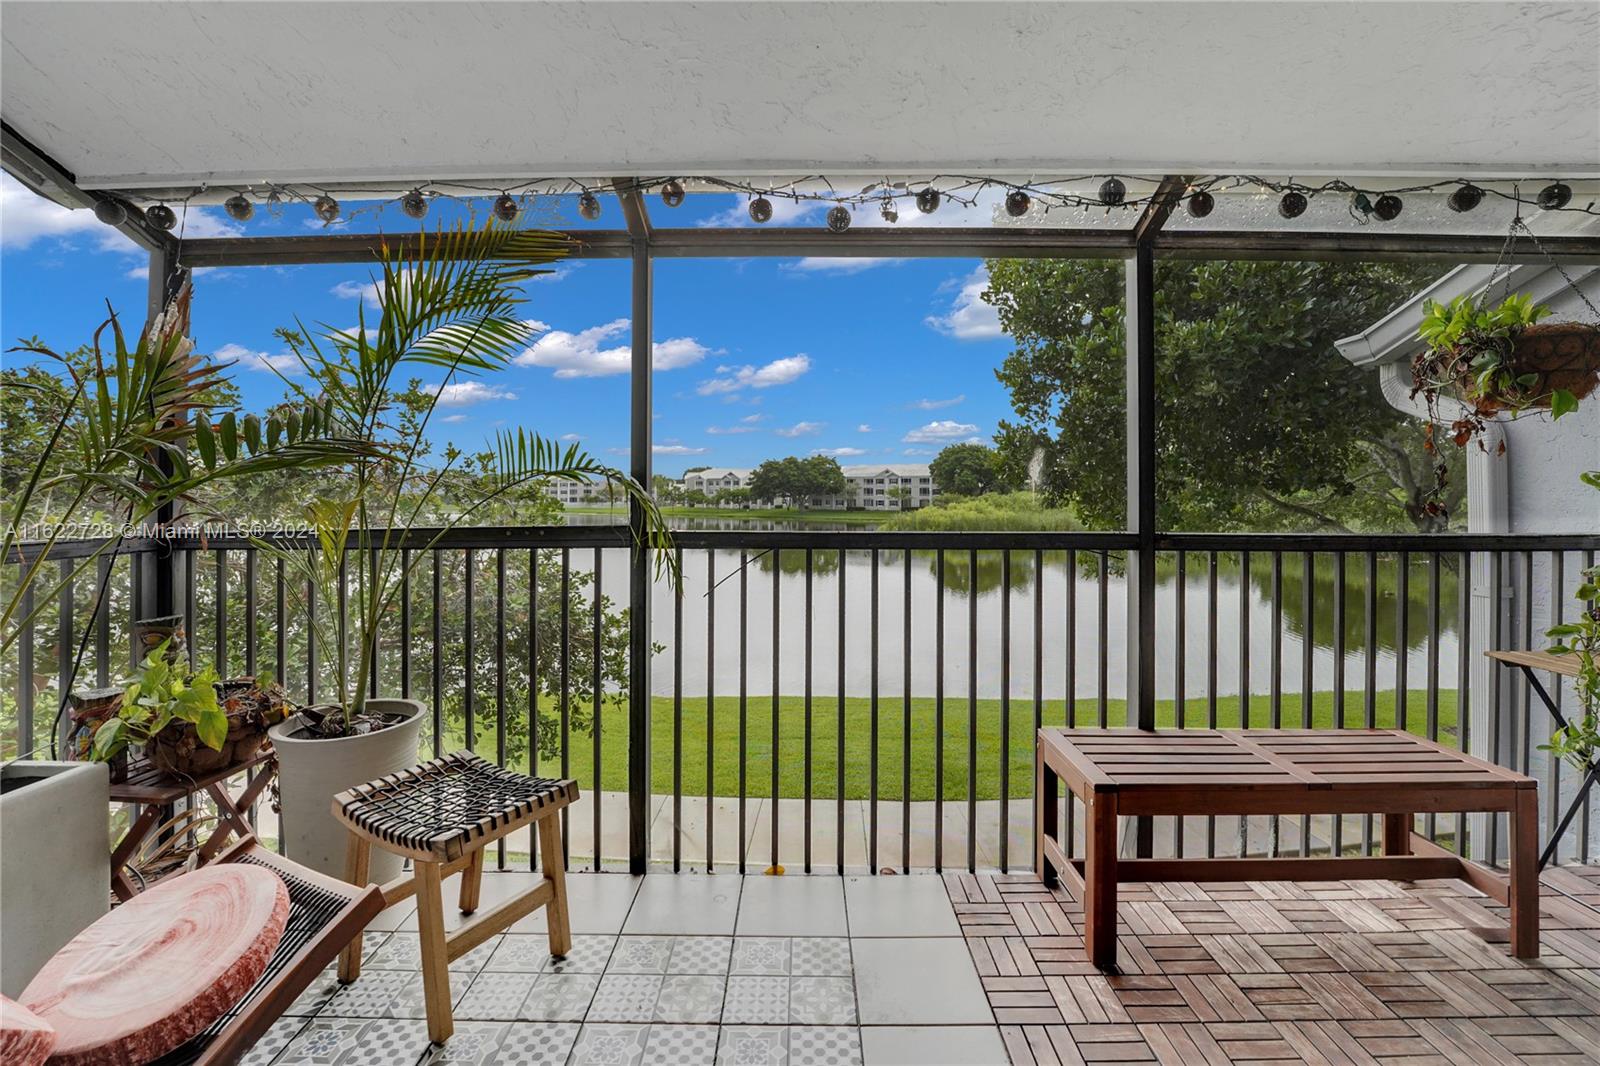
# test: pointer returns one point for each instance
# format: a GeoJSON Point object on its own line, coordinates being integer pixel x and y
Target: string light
{"type": "Point", "coordinates": [761, 209]}
{"type": "Point", "coordinates": [1113, 192]}
{"type": "Point", "coordinates": [928, 200]}
{"type": "Point", "coordinates": [414, 204]}
{"type": "Point", "coordinates": [1465, 198]}
{"type": "Point", "coordinates": [672, 193]}
{"type": "Point", "coordinates": [1387, 207]}
{"type": "Point", "coordinates": [327, 208]}
{"type": "Point", "coordinates": [589, 205]}
{"type": "Point", "coordinates": [1200, 204]}
{"type": "Point", "coordinates": [111, 212]}
{"type": "Point", "coordinates": [888, 211]}
{"type": "Point", "coordinates": [839, 218]}
{"type": "Point", "coordinates": [239, 209]}
{"type": "Point", "coordinates": [1555, 197]}
{"type": "Point", "coordinates": [1018, 203]}
{"type": "Point", "coordinates": [161, 217]}
{"type": "Point", "coordinates": [505, 207]}
{"type": "Point", "coordinates": [1293, 204]}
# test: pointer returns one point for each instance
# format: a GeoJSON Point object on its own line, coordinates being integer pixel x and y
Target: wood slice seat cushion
{"type": "Point", "coordinates": [162, 967]}
{"type": "Point", "coordinates": [443, 809]}
{"type": "Point", "coordinates": [25, 1038]}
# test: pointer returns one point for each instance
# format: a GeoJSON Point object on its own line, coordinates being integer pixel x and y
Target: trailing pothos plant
{"type": "Point", "coordinates": [451, 310]}
{"type": "Point", "coordinates": [160, 695]}
{"type": "Point", "coordinates": [1579, 740]}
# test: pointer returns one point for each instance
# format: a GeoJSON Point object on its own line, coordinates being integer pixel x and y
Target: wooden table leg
{"type": "Point", "coordinates": [558, 920]}
{"type": "Point", "coordinates": [1100, 881]}
{"type": "Point", "coordinates": [357, 864]}
{"type": "Point", "coordinates": [1397, 834]}
{"type": "Point", "coordinates": [121, 884]}
{"type": "Point", "coordinates": [1046, 802]}
{"type": "Point", "coordinates": [435, 955]}
{"type": "Point", "coordinates": [471, 883]}
{"type": "Point", "coordinates": [1525, 875]}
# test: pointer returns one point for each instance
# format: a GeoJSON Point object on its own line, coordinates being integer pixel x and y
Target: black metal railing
{"type": "Point", "coordinates": [862, 699]}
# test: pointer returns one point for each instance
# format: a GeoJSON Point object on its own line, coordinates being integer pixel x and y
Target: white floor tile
{"type": "Point", "coordinates": [685, 905]}
{"type": "Point", "coordinates": [914, 905]}
{"type": "Point", "coordinates": [918, 981]}
{"type": "Point", "coordinates": [792, 906]}
{"type": "Point", "coordinates": [939, 1045]}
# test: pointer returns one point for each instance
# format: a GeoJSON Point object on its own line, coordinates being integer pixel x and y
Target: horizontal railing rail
{"type": "Point", "coordinates": [856, 699]}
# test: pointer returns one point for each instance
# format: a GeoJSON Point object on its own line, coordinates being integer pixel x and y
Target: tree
{"type": "Point", "coordinates": [899, 494]}
{"type": "Point", "coordinates": [968, 470]}
{"type": "Point", "coordinates": [796, 481]}
{"type": "Point", "coordinates": [1261, 423]}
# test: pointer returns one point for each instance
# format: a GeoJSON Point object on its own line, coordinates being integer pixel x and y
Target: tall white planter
{"type": "Point", "coordinates": [55, 861]}
{"type": "Point", "coordinates": [312, 772]}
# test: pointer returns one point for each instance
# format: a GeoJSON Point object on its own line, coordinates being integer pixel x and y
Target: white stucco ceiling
{"type": "Point", "coordinates": [130, 95]}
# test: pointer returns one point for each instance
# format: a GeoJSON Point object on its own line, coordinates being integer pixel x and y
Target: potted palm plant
{"type": "Point", "coordinates": [452, 310]}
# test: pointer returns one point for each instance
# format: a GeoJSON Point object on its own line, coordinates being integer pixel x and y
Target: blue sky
{"type": "Point", "coordinates": [870, 360]}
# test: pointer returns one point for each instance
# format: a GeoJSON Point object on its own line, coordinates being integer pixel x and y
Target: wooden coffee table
{"type": "Point", "coordinates": [1117, 772]}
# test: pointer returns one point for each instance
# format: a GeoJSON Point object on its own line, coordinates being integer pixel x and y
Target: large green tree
{"type": "Point", "coordinates": [1260, 423]}
{"type": "Point", "coordinates": [798, 481]}
{"type": "Point", "coordinates": [968, 470]}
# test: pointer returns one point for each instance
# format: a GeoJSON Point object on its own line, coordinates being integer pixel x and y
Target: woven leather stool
{"type": "Point", "coordinates": [440, 815]}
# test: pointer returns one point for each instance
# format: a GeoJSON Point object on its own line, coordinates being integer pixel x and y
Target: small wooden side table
{"type": "Point", "coordinates": [1562, 666]}
{"type": "Point", "coordinates": [149, 791]}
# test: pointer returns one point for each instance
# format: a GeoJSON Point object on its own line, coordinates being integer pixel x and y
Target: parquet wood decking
{"type": "Point", "coordinates": [1365, 972]}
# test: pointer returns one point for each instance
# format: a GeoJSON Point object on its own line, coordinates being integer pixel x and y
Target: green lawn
{"type": "Point", "coordinates": [792, 759]}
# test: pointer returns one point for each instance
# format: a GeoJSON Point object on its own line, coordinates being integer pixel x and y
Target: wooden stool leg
{"type": "Point", "coordinates": [435, 956]}
{"type": "Point", "coordinates": [1397, 834]}
{"type": "Point", "coordinates": [1046, 797]}
{"type": "Point", "coordinates": [472, 883]}
{"type": "Point", "coordinates": [1525, 875]}
{"type": "Point", "coordinates": [1100, 882]}
{"type": "Point", "coordinates": [357, 860]}
{"type": "Point", "coordinates": [557, 919]}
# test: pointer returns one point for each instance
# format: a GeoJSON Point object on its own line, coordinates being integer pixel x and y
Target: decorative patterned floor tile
{"type": "Point", "coordinates": [812, 956]}
{"type": "Point", "coordinates": [352, 1042]}
{"type": "Point", "coordinates": [384, 994]}
{"type": "Point", "coordinates": [610, 1045]}
{"type": "Point", "coordinates": [495, 996]}
{"type": "Point", "coordinates": [700, 955]}
{"type": "Point", "coordinates": [507, 1044]}
{"type": "Point", "coordinates": [681, 1045]}
{"type": "Point", "coordinates": [824, 1046]}
{"type": "Point", "coordinates": [691, 999]}
{"type": "Point", "coordinates": [559, 997]}
{"type": "Point", "coordinates": [403, 951]}
{"type": "Point", "coordinates": [760, 956]}
{"type": "Point", "coordinates": [640, 954]}
{"type": "Point", "coordinates": [756, 1001]}
{"type": "Point", "coordinates": [316, 995]}
{"type": "Point", "coordinates": [530, 953]}
{"type": "Point", "coordinates": [277, 1037]}
{"type": "Point", "coordinates": [750, 1046]}
{"type": "Point", "coordinates": [822, 1001]}
{"type": "Point", "coordinates": [625, 997]}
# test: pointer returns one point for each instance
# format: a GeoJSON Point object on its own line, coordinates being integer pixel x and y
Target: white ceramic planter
{"type": "Point", "coordinates": [55, 861]}
{"type": "Point", "coordinates": [312, 772]}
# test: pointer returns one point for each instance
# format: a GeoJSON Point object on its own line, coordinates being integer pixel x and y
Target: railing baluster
{"type": "Point", "coordinates": [677, 718]}
{"type": "Point", "coordinates": [872, 710]}
{"type": "Point", "coordinates": [972, 711]}
{"type": "Point", "coordinates": [311, 641]}
{"type": "Point", "coordinates": [1103, 562]}
{"type": "Point", "coordinates": [1179, 706]}
{"type": "Point", "coordinates": [1558, 593]}
{"type": "Point", "coordinates": [1005, 708]}
{"type": "Point", "coordinates": [744, 699]}
{"type": "Point", "coordinates": [469, 633]}
{"type": "Point", "coordinates": [596, 699]}
{"type": "Point", "coordinates": [566, 700]}
{"type": "Point", "coordinates": [1275, 822]}
{"type": "Point", "coordinates": [102, 623]}
{"type": "Point", "coordinates": [66, 655]}
{"type": "Point", "coordinates": [373, 561]}
{"type": "Point", "coordinates": [438, 654]}
{"type": "Point", "coordinates": [809, 615]}
{"type": "Point", "coordinates": [1369, 668]}
{"type": "Point", "coordinates": [1244, 676]}
{"type": "Point", "coordinates": [1463, 678]}
{"type": "Point", "coordinates": [1339, 589]}
{"type": "Point", "coordinates": [221, 661]}
{"type": "Point", "coordinates": [1038, 650]}
{"type": "Point", "coordinates": [1402, 642]}
{"type": "Point", "coordinates": [711, 707]}
{"type": "Point", "coordinates": [533, 684]}
{"type": "Point", "coordinates": [280, 615]}
{"type": "Point", "coordinates": [905, 724]}
{"type": "Point", "coordinates": [25, 690]}
{"type": "Point", "coordinates": [1583, 815]}
{"type": "Point", "coordinates": [250, 612]}
{"type": "Point", "coordinates": [777, 579]}
{"type": "Point", "coordinates": [938, 712]}
{"type": "Point", "coordinates": [405, 623]}
{"type": "Point", "coordinates": [1070, 711]}
{"type": "Point", "coordinates": [1432, 704]}
{"type": "Point", "coordinates": [1211, 679]}
{"type": "Point", "coordinates": [1496, 686]}
{"type": "Point", "coordinates": [1525, 701]}
{"type": "Point", "coordinates": [499, 678]}
{"type": "Point", "coordinates": [1308, 648]}
{"type": "Point", "coordinates": [838, 739]}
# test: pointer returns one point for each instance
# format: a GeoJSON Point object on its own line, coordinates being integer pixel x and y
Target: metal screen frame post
{"type": "Point", "coordinates": [158, 594]}
{"type": "Point", "coordinates": [639, 569]}
{"type": "Point", "coordinates": [1139, 316]}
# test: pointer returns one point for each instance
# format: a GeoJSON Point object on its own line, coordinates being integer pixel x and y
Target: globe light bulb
{"type": "Point", "coordinates": [239, 209]}
{"type": "Point", "coordinates": [1113, 192]}
{"type": "Point", "coordinates": [327, 208]}
{"type": "Point", "coordinates": [505, 207]}
{"type": "Point", "coordinates": [672, 193]}
{"type": "Point", "coordinates": [1018, 203]}
{"type": "Point", "coordinates": [414, 204]}
{"type": "Point", "coordinates": [928, 200]}
{"type": "Point", "coordinates": [761, 209]}
{"type": "Point", "coordinates": [161, 217]}
{"type": "Point", "coordinates": [839, 218]}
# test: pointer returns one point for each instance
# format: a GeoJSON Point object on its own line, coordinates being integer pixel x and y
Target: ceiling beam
{"type": "Point", "coordinates": [49, 179]}
{"type": "Point", "coordinates": [1167, 196]}
{"type": "Point", "coordinates": [634, 211]}
{"type": "Point", "coordinates": [973, 242]}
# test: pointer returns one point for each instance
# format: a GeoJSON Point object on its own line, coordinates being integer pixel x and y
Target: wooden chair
{"type": "Point", "coordinates": [324, 915]}
{"type": "Point", "coordinates": [441, 815]}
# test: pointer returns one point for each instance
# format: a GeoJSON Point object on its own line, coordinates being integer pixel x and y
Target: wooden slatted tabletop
{"type": "Point", "coordinates": [1564, 665]}
{"type": "Point", "coordinates": [1122, 772]}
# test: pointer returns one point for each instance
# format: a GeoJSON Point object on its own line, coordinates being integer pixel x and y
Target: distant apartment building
{"type": "Point", "coordinates": [577, 493]}
{"type": "Point", "coordinates": [895, 487]}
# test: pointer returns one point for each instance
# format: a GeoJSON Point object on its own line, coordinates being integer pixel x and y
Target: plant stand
{"type": "Point", "coordinates": [149, 791]}
{"type": "Point", "coordinates": [1561, 666]}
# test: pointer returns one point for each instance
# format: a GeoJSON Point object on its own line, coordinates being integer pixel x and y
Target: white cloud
{"type": "Point", "coordinates": [453, 418]}
{"type": "Point", "coordinates": [590, 353]}
{"type": "Point", "coordinates": [934, 405]}
{"type": "Point", "coordinates": [358, 290]}
{"type": "Point", "coordinates": [940, 432]}
{"type": "Point", "coordinates": [747, 424]}
{"type": "Point", "coordinates": [467, 393]}
{"type": "Point", "coordinates": [863, 428]}
{"type": "Point", "coordinates": [734, 378]}
{"type": "Point", "coordinates": [676, 449]}
{"type": "Point", "coordinates": [839, 453]}
{"type": "Point", "coordinates": [801, 429]}
{"type": "Point", "coordinates": [283, 363]}
{"type": "Point", "coordinates": [839, 264]}
{"type": "Point", "coordinates": [969, 318]}
{"type": "Point", "coordinates": [572, 438]}
{"type": "Point", "coordinates": [26, 217]}
{"type": "Point", "coordinates": [917, 451]}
